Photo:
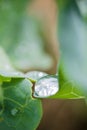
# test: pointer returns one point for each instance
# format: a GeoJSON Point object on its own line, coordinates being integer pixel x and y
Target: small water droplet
{"type": "Point", "coordinates": [35, 75]}
{"type": "Point", "coordinates": [46, 86]}
{"type": "Point", "coordinates": [14, 111]}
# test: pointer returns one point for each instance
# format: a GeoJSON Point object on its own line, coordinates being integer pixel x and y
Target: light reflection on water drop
{"type": "Point", "coordinates": [46, 86]}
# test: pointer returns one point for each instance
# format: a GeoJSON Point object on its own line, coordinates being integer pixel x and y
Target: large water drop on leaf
{"type": "Point", "coordinates": [46, 86]}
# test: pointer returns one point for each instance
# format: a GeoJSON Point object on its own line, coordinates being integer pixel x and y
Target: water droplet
{"type": "Point", "coordinates": [46, 86]}
{"type": "Point", "coordinates": [35, 75]}
{"type": "Point", "coordinates": [14, 111]}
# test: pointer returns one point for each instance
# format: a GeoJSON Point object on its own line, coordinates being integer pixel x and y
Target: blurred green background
{"type": "Point", "coordinates": [42, 35]}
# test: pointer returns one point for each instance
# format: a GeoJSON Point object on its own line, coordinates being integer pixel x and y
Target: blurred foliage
{"type": "Point", "coordinates": [73, 39]}
{"type": "Point", "coordinates": [20, 37]}
{"type": "Point", "coordinates": [22, 48]}
{"type": "Point", "coordinates": [82, 5]}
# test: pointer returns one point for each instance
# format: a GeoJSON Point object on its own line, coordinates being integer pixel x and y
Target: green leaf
{"type": "Point", "coordinates": [68, 89]}
{"type": "Point", "coordinates": [53, 86]}
{"type": "Point", "coordinates": [21, 111]}
{"type": "Point", "coordinates": [73, 46]}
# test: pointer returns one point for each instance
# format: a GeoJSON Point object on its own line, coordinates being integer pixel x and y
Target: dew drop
{"type": "Point", "coordinates": [46, 86]}
{"type": "Point", "coordinates": [14, 111]}
{"type": "Point", "coordinates": [35, 75]}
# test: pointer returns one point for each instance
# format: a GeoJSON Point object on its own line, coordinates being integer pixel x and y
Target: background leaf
{"type": "Point", "coordinates": [82, 5]}
{"type": "Point", "coordinates": [73, 48]}
{"type": "Point", "coordinates": [20, 37]}
{"type": "Point", "coordinates": [7, 71]}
